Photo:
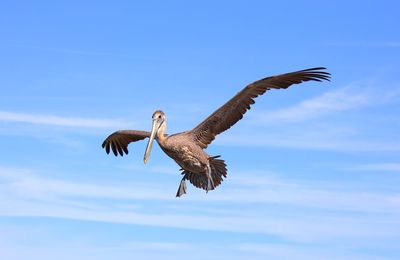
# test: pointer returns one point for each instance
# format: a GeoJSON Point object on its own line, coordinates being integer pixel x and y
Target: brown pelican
{"type": "Point", "coordinates": [187, 148]}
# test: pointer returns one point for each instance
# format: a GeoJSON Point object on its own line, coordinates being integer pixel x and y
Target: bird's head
{"type": "Point", "coordinates": [158, 121]}
{"type": "Point", "coordinates": [159, 116]}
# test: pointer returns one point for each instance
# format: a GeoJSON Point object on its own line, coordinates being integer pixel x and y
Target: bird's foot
{"type": "Point", "coordinates": [210, 182]}
{"type": "Point", "coordinates": [182, 187]}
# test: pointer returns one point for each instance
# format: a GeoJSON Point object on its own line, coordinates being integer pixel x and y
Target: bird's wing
{"type": "Point", "coordinates": [233, 110]}
{"type": "Point", "coordinates": [119, 140]}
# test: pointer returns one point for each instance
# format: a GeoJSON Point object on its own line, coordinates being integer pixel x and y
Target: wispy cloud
{"type": "Point", "coordinates": [293, 251]}
{"type": "Point", "coordinates": [365, 44]}
{"type": "Point", "coordinates": [312, 138]}
{"type": "Point", "coordinates": [23, 193]}
{"type": "Point", "coordinates": [26, 181]}
{"type": "Point", "coordinates": [59, 120]}
{"type": "Point", "coordinates": [157, 246]}
{"type": "Point", "coordinates": [268, 189]}
{"type": "Point", "coordinates": [302, 228]}
{"type": "Point", "coordinates": [377, 167]}
{"type": "Point", "coordinates": [317, 195]}
{"type": "Point", "coordinates": [325, 123]}
{"type": "Point", "coordinates": [325, 104]}
{"type": "Point", "coordinates": [68, 50]}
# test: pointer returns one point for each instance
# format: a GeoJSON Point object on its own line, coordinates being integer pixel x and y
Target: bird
{"type": "Point", "coordinates": [187, 148]}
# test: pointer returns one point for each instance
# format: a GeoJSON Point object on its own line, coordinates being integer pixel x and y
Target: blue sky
{"type": "Point", "coordinates": [313, 171]}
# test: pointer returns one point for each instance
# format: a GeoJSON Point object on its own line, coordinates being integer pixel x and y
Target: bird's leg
{"type": "Point", "coordinates": [210, 182]}
{"type": "Point", "coordinates": [182, 186]}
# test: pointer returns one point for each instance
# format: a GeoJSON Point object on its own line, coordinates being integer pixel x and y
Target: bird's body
{"type": "Point", "coordinates": [185, 153]}
{"type": "Point", "coordinates": [187, 148]}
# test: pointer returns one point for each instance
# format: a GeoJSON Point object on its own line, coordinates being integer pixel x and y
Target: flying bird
{"type": "Point", "coordinates": [187, 148]}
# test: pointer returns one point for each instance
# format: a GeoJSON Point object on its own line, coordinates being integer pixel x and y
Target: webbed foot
{"type": "Point", "coordinates": [182, 187]}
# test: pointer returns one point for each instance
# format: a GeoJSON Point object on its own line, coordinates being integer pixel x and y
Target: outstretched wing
{"type": "Point", "coordinates": [118, 141]}
{"type": "Point", "coordinates": [232, 111]}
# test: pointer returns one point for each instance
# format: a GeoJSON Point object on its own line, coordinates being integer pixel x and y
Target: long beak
{"type": "Point", "coordinates": [154, 130]}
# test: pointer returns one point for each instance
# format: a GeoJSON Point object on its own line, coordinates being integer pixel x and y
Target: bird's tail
{"type": "Point", "coordinates": [218, 170]}
{"type": "Point", "coordinates": [218, 173]}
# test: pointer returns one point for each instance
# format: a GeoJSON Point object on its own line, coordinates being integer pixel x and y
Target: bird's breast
{"type": "Point", "coordinates": [187, 157]}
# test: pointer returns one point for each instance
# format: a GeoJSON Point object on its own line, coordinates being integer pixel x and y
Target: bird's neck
{"type": "Point", "coordinates": [161, 132]}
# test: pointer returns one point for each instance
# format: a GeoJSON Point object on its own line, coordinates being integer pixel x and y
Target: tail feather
{"type": "Point", "coordinates": [218, 172]}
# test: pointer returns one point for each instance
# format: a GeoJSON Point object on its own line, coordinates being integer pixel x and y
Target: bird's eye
{"type": "Point", "coordinates": [159, 116]}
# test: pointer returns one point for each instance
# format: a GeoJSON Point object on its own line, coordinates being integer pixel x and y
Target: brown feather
{"type": "Point", "coordinates": [186, 148]}
{"type": "Point", "coordinates": [118, 141]}
{"type": "Point", "coordinates": [218, 173]}
{"type": "Point", "coordinates": [232, 111]}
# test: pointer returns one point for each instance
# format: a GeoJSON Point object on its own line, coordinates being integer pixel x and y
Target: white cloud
{"type": "Point", "coordinates": [58, 120]}
{"type": "Point", "coordinates": [265, 188]}
{"type": "Point", "coordinates": [330, 102]}
{"type": "Point", "coordinates": [251, 188]}
{"type": "Point", "coordinates": [377, 167]}
{"type": "Point", "coordinates": [376, 44]}
{"type": "Point", "coordinates": [311, 137]}
{"type": "Point", "coordinates": [26, 184]}
{"type": "Point", "coordinates": [68, 51]}
{"type": "Point", "coordinates": [293, 251]}
{"type": "Point", "coordinates": [156, 246]}
{"type": "Point", "coordinates": [322, 123]}
{"type": "Point", "coordinates": [302, 228]}
{"type": "Point", "coordinates": [23, 193]}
